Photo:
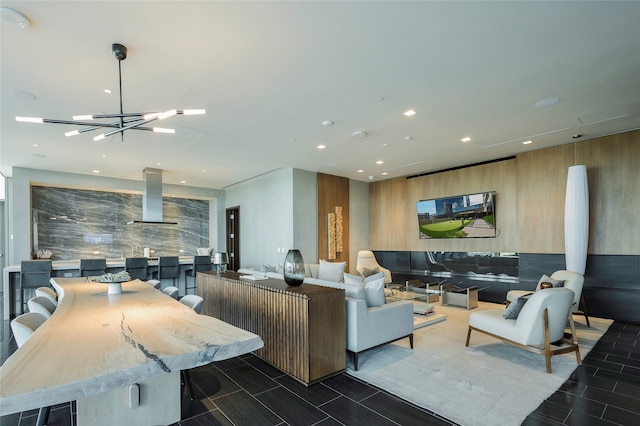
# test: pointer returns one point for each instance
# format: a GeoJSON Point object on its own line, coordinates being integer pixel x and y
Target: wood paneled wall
{"type": "Point", "coordinates": [332, 191]}
{"type": "Point", "coordinates": [530, 192]}
{"type": "Point", "coordinates": [394, 217]}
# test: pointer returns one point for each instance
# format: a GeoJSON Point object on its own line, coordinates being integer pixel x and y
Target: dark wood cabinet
{"type": "Point", "coordinates": [303, 327]}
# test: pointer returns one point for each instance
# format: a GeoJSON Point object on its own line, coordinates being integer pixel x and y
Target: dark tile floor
{"type": "Point", "coordinates": [247, 391]}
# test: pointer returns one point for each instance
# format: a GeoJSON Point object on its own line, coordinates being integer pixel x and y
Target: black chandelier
{"type": "Point", "coordinates": [124, 121]}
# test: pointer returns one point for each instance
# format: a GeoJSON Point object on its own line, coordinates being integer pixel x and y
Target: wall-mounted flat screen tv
{"type": "Point", "coordinates": [461, 216]}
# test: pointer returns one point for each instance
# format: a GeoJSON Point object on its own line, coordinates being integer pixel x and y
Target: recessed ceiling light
{"type": "Point", "coordinates": [15, 17]}
{"type": "Point", "coordinates": [108, 91]}
{"type": "Point", "coordinates": [360, 133]}
{"type": "Point", "coordinates": [321, 146]}
{"type": "Point", "coordinates": [409, 113]}
{"type": "Point", "coordinates": [370, 177]}
{"type": "Point", "coordinates": [36, 145]}
{"type": "Point", "coordinates": [183, 181]}
{"type": "Point", "coordinates": [360, 171]}
{"type": "Point", "coordinates": [204, 170]}
{"type": "Point", "coordinates": [385, 145]}
{"type": "Point", "coordinates": [527, 142]}
{"type": "Point", "coordinates": [96, 171]}
{"type": "Point", "coordinates": [104, 155]}
{"type": "Point", "coordinates": [327, 123]}
{"type": "Point", "coordinates": [408, 138]}
{"type": "Point", "coordinates": [157, 164]}
{"type": "Point", "coordinates": [379, 162]}
{"type": "Point", "coordinates": [576, 136]}
{"type": "Point", "coordinates": [465, 139]}
{"type": "Point", "coordinates": [22, 95]}
{"type": "Point", "coordinates": [547, 102]}
{"type": "Point", "coordinates": [384, 173]}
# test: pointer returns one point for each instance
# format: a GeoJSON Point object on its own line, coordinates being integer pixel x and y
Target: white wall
{"type": "Point", "coordinates": [305, 214]}
{"type": "Point", "coordinates": [267, 225]}
{"type": "Point", "coordinates": [18, 213]}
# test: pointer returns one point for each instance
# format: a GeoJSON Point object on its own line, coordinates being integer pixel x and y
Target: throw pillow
{"type": "Point", "coordinates": [374, 277]}
{"type": "Point", "coordinates": [313, 270]}
{"type": "Point", "coordinates": [514, 308]}
{"type": "Point", "coordinates": [546, 279]}
{"type": "Point", "coordinates": [352, 279]}
{"type": "Point", "coordinates": [268, 268]}
{"type": "Point", "coordinates": [367, 272]}
{"type": "Point", "coordinates": [374, 291]}
{"type": "Point", "coordinates": [355, 291]}
{"type": "Point", "coordinates": [331, 271]}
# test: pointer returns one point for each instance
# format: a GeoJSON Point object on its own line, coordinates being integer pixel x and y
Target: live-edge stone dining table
{"type": "Point", "coordinates": [105, 350]}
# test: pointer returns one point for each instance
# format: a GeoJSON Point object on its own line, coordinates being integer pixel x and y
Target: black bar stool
{"type": "Point", "coordinates": [200, 264]}
{"type": "Point", "coordinates": [93, 267]}
{"type": "Point", "coordinates": [168, 267]}
{"type": "Point", "coordinates": [136, 267]}
{"type": "Point", "coordinates": [33, 274]}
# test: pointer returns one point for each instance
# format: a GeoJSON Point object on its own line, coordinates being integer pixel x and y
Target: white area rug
{"type": "Point", "coordinates": [487, 383]}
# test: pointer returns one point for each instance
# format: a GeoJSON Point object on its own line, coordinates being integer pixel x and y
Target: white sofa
{"type": "Point", "coordinates": [367, 326]}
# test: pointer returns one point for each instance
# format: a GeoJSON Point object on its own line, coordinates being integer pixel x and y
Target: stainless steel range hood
{"type": "Point", "coordinates": [152, 199]}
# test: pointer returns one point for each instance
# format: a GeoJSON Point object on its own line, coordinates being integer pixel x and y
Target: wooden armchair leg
{"type": "Point", "coordinates": [468, 336]}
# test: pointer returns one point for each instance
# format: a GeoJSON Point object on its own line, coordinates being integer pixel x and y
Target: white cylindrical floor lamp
{"type": "Point", "coordinates": [576, 219]}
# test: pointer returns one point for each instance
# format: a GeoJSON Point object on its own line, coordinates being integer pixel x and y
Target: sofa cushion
{"type": "Point", "coordinates": [514, 308]}
{"type": "Point", "coordinates": [546, 279]}
{"type": "Point", "coordinates": [353, 279]}
{"type": "Point", "coordinates": [331, 271]}
{"type": "Point", "coordinates": [268, 268]}
{"type": "Point", "coordinates": [374, 290]}
{"type": "Point", "coordinates": [355, 291]}
{"type": "Point", "coordinates": [314, 268]}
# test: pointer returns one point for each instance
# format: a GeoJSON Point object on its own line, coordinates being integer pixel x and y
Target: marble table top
{"type": "Point", "coordinates": [95, 342]}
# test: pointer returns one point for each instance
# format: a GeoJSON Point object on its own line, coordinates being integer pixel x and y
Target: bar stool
{"type": "Point", "coordinates": [33, 274]}
{"type": "Point", "coordinates": [168, 267]}
{"type": "Point", "coordinates": [200, 264]}
{"type": "Point", "coordinates": [23, 327]}
{"type": "Point", "coordinates": [136, 267]}
{"type": "Point", "coordinates": [93, 267]}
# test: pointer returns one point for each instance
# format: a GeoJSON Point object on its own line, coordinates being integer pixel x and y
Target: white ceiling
{"type": "Point", "coordinates": [269, 73]}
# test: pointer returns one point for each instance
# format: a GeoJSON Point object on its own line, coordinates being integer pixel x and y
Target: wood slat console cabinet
{"type": "Point", "coordinates": [303, 328]}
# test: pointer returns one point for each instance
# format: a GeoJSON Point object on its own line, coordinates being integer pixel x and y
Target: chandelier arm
{"type": "Point", "coordinates": [131, 126]}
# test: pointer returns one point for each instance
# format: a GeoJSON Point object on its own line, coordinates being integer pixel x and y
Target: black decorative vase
{"type": "Point", "coordinates": [294, 267]}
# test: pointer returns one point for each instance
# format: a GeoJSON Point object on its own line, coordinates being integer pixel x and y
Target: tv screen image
{"type": "Point", "coordinates": [460, 216]}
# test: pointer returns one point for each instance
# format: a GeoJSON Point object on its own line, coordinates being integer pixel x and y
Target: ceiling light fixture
{"type": "Point", "coordinates": [466, 139]}
{"type": "Point", "coordinates": [15, 17]}
{"type": "Point", "coordinates": [547, 102]}
{"type": "Point", "coordinates": [409, 113]}
{"type": "Point", "coordinates": [321, 147]}
{"type": "Point", "coordinates": [527, 142]}
{"type": "Point", "coordinates": [360, 133]}
{"type": "Point", "coordinates": [124, 121]}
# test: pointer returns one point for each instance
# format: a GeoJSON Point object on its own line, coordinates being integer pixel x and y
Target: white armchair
{"type": "Point", "coordinates": [573, 281]}
{"type": "Point", "coordinates": [368, 327]}
{"type": "Point", "coordinates": [367, 260]}
{"type": "Point", "coordinates": [541, 321]}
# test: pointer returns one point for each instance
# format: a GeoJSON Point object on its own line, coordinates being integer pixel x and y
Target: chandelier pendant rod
{"type": "Point", "coordinates": [121, 110]}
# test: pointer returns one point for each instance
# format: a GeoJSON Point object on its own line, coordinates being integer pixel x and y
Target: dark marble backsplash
{"type": "Point", "coordinates": [76, 224]}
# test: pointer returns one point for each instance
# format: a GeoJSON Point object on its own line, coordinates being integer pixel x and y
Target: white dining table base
{"type": "Point", "coordinates": [159, 403]}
